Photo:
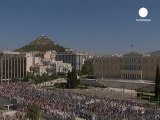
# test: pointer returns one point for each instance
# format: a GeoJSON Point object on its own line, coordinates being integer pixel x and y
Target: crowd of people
{"type": "Point", "coordinates": [59, 104]}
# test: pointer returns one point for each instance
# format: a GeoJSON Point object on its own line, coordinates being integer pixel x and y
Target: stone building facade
{"type": "Point", "coordinates": [12, 65]}
{"type": "Point", "coordinates": [132, 66]}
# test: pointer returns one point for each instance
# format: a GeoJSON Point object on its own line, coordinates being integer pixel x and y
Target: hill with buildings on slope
{"type": "Point", "coordinates": [42, 44]}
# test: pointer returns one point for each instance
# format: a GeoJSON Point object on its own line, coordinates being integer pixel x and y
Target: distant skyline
{"type": "Point", "coordinates": [103, 26]}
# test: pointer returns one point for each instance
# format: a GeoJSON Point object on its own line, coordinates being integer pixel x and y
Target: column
{"type": "Point", "coordinates": [8, 66]}
{"type": "Point", "coordinates": [11, 66]}
{"type": "Point", "coordinates": [5, 69]}
{"type": "Point", "coordinates": [17, 67]}
{"type": "Point", "coordinates": [1, 68]}
{"type": "Point", "coordinates": [23, 66]}
{"type": "Point", "coordinates": [134, 76]}
{"type": "Point", "coordinates": [14, 67]}
{"type": "Point", "coordinates": [139, 76]}
{"type": "Point", "coordinates": [20, 66]}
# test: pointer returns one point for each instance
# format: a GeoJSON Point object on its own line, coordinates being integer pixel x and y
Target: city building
{"type": "Point", "coordinates": [38, 61]}
{"type": "Point", "coordinates": [40, 69]}
{"type": "Point", "coordinates": [61, 67]}
{"type": "Point", "coordinates": [50, 55]}
{"type": "Point", "coordinates": [29, 61]}
{"type": "Point", "coordinates": [76, 59]}
{"type": "Point", "coordinates": [89, 61]}
{"type": "Point", "coordinates": [133, 66]}
{"type": "Point", "coordinates": [12, 65]}
{"type": "Point", "coordinates": [56, 66]}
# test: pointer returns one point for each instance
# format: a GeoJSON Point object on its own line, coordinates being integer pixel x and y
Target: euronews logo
{"type": "Point", "coordinates": [143, 13]}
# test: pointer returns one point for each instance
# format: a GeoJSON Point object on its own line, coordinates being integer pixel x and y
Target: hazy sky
{"type": "Point", "coordinates": [104, 26]}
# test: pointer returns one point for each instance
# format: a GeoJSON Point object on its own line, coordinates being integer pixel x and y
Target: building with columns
{"type": "Point", "coordinates": [132, 66]}
{"type": "Point", "coordinates": [76, 59]}
{"type": "Point", "coordinates": [12, 65]}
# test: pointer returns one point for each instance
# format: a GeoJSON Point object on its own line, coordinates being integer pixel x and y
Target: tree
{"type": "Point", "coordinates": [32, 69]}
{"type": "Point", "coordinates": [72, 81]}
{"type": "Point", "coordinates": [157, 82]}
{"type": "Point", "coordinates": [33, 112]}
{"type": "Point", "coordinates": [53, 76]}
{"type": "Point", "coordinates": [87, 69]}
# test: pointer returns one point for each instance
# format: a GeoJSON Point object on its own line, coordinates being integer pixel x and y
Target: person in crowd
{"type": "Point", "coordinates": [62, 105]}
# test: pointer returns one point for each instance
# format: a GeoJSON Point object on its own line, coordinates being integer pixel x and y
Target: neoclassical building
{"type": "Point", "coordinates": [133, 66]}
{"type": "Point", "coordinates": [12, 65]}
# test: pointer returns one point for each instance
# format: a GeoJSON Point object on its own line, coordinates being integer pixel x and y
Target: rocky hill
{"type": "Point", "coordinates": [42, 44]}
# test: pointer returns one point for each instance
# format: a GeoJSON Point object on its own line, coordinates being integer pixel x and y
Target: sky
{"type": "Point", "coordinates": [102, 26]}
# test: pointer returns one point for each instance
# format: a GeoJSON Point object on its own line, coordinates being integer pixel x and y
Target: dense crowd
{"type": "Point", "coordinates": [62, 105]}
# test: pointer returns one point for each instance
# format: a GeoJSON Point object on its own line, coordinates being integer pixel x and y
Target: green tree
{"type": "Point", "coordinates": [53, 76]}
{"type": "Point", "coordinates": [87, 69]}
{"type": "Point", "coordinates": [33, 112]}
{"type": "Point", "coordinates": [72, 81]}
{"type": "Point", "coordinates": [32, 69]}
{"type": "Point", "coordinates": [157, 82]}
